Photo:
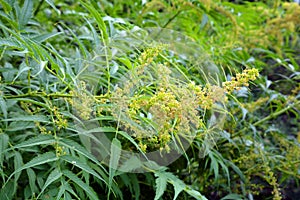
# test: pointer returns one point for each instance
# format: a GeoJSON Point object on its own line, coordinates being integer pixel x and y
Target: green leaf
{"type": "Point", "coordinates": [42, 66]}
{"type": "Point", "coordinates": [39, 160]}
{"type": "Point", "coordinates": [130, 165]}
{"type": "Point", "coordinates": [10, 42]}
{"type": "Point", "coordinates": [72, 145]}
{"type": "Point", "coordinates": [51, 3]}
{"type": "Point", "coordinates": [3, 107]}
{"type": "Point", "coordinates": [130, 180]}
{"type": "Point", "coordinates": [233, 196]}
{"type": "Point", "coordinates": [115, 151]}
{"type": "Point", "coordinates": [128, 137]}
{"type": "Point", "coordinates": [53, 176]}
{"type": "Point", "coordinates": [78, 163]}
{"type": "Point", "coordinates": [18, 162]}
{"type": "Point", "coordinates": [65, 186]}
{"type": "Point", "coordinates": [40, 139]}
{"type": "Point", "coordinates": [135, 185]}
{"type": "Point", "coordinates": [178, 184]}
{"type": "Point", "coordinates": [23, 68]}
{"type": "Point", "coordinates": [161, 184]}
{"type": "Point", "coordinates": [99, 20]}
{"type": "Point", "coordinates": [8, 190]}
{"type": "Point", "coordinates": [195, 194]}
{"type": "Point", "coordinates": [29, 118]}
{"type": "Point", "coordinates": [7, 8]}
{"type": "Point", "coordinates": [32, 179]}
{"type": "Point", "coordinates": [88, 190]}
{"type": "Point", "coordinates": [4, 140]}
{"type": "Point", "coordinates": [43, 37]}
{"type": "Point", "coordinates": [26, 13]}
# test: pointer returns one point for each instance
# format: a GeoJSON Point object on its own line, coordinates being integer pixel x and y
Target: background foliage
{"type": "Point", "coordinates": [47, 49]}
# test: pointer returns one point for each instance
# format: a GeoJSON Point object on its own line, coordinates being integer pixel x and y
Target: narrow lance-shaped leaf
{"type": "Point", "coordinates": [114, 160]}
{"type": "Point", "coordinates": [40, 139]}
{"type": "Point", "coordinates": [89, 191]}
{"type": "Point", "coordinates": [39, 160]}
{"type": "Point", "coordinates": [26, 13]}
{"type": "Point", "coordinates": [53, 176]}
{"type": "Point", "coordinates": [78, 163]}
{"type": "Point", "coordinates": [3, 107]}
{"type": "Point", "coordinates": [18, 162]}
{"type": "Point", "coordinates": [79, 149]}
{"type": "Point", "coordinates": [32, 180]}
{"type": "Point", "coordinates": [50, 2]}
{"type": "Point", "coordinates": [7, 8]}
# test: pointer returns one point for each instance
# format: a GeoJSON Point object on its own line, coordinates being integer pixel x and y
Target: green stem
{"type": "Point", "coordinates": [272, 115]}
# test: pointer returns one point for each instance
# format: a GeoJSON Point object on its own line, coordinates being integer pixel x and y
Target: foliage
{"type": "Point", "coordinates": [77, 74]}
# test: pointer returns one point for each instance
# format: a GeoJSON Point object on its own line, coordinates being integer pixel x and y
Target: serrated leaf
{"type": "Point", "coordinates": [178, 184]}
{"type": "Point", "coordinates": [9, 42]}
{"type": "Point", "coordinates": [178, 188]}
{"type": "Point", "coordinates": [78, 163]}
{"type": "Point", "coordinates": [161, 184]}
{"type": "Point", "coordinates": [40, 139]}
{"type": "Point", "coordinates": [43, 37]}
{"type": "Point", "coordinates": [8, 190]}
{"type": "Point", "coordinates": [115, 153]}
{"type": "Point", "coordinates": [65, 186]}
{"type": "Point", "coordinates": [26, 13]}
{"type": "Point", "coordinates": [18, 162]}
{"type": "Point", "coordinates": [88, 190]}
{"type": "Point", "coordinates": [39, 160]}
{"type": "Point", "coordinates": [79, 149]}
{"type": "Point", "coordinates": [53, 176]}
{"type": "Point", "coordinates": [197, 195]}
{"type": "Point", "coordinates": [28, 118]}
{"type": "Point", "coordinates": [232, 197]}
{"type": "Point", "coordinates": [4, 139]}
{"type": "Point", "coordinates": [3, 107]}
{"type": "Point", "coordinates": [32, 179]}
{"type": "Point", "coordinates": [130, 165]}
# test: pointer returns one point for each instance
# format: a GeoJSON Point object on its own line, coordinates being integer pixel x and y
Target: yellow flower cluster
{"type": "Point", "coordinates": [164, 109]}
{"type": "Point", "coordinates": [278, 25]}
{"type": "Point", "coordinates": [172, 109]}
{"type": "Point", "coordinates": [59, 120]}
{"type": "Point", "coordinates": [207, 95]}
{"type": "Point", "coordinates": [59, 150]}
{"type": "Point", "coordinates": [150, 53]}
{"type": "Point", "coordinates": [271, 179]}
{"type": "Point", "coordinates": [82, 101]}
{"type": "Point", "coordinates": [42, 129]}
{"type": "Point", "coordinates": [241, 79]}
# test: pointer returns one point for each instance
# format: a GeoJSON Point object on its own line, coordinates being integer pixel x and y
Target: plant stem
{"type": "Point", "coordinates": [272, 115]}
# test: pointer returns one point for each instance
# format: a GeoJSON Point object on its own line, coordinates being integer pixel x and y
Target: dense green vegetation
{"type": "Point", "coordinates": [183, 99]}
